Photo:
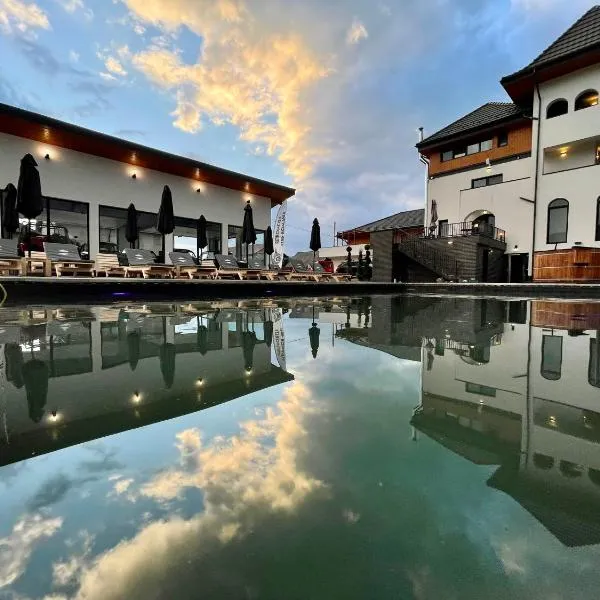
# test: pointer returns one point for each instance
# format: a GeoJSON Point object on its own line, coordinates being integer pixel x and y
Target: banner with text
{"type": "Point", "coordinates": [279, 237]}
{"type": "Point", "coordinates": [278, 336]}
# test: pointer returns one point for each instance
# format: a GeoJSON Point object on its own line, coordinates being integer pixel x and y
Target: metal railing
{"type": "Point", "coordinates": [450, 230]}
{"type": "Point", "coordinates": [433, 258]}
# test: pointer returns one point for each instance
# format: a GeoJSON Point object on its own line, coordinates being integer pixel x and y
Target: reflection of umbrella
{"type": "Point", "coordinates": [248, 343]}
{"type": "Point", "coordinates": [167, 364]}
{"type": "Point", "coordinates": [131, 225]}
{"type": "Point", "coordinates": [269, 248]}
{"type": "Point", "coordinates": [35, 376]}
{"type": "Point", "coordinates": [201, 239]}
{"type": "Point", "coordinates": [10, 215]}
{"type": "Point", "coordinates": [29, 192]}
{"type": "Point", "coordinates": [133, 345]}
{"type": "Point", "coordinates": [13, 358]}
{"type": "Point", "coordinates": [315, 239]}
{"type": "Point", "coordinates": [268, 329]}
{"type": "Point", "coordinates": [313, 336]}
{"type": "Point", "coordinates": [202, 339]}
{"type": "Point", "coordinates": [165, 223]}
{"type": "Point", "coordinates": [429, 347]}
{"type": "Point", "coordinates": [248, 231]}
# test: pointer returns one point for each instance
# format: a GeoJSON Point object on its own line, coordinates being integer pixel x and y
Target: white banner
{"type": "Point", "coordinates": [279, 236]}
{"type": "Point", "coordinates": [278, 337]}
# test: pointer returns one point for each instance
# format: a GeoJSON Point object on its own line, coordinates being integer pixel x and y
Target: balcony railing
{"type": "Point", "coordinates": [451, 230]}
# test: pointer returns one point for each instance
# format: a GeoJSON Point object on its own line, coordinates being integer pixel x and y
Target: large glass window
{"type": "Point", "coordinates": [586, 99]}
{"type": "Point", "coordinates": [185, 237]}
{"type": "Point", "coordinates": [234, 242]}
{"type": "Point", "coordinates": [557, 108]}
{"type": "Point", "coordinates": [551, 357]}
{"type": "Point", "coordinates": [112, 222]}
{"type": "Point", "coordinates": [558, 219]}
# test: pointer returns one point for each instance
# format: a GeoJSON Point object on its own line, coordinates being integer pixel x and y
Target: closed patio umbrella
{"type": "Point", "coordinates": [10, 214]}
{"type": "Point", "coordinates": [248, 231]}
{"type": "Point", "coordinates": [133, 347]}
{"type": "Point", "coordinates": [201, 239]}
{"type": "Point", "coordinates": [315, 239]}
{"type": "Point", "coordinates": [35, 376]}
{"type": "Point", "coordinates": [167, 364]}
{"type": "Point", "coordinates": [268, 328]}
{"type": "Point", "coordinates": [165, 223]}
{"type": "Point", "coordinates": [202, 339]}
{"type": "Point", "coordinates": [313, 335]}
{"type": "Point", "coordinates": [131, 225]}
{"type": "Point", "coordinates": [29, 193]}
{"type": "Point", "coordinates": [248, 344]}
{"type": "Point", "coordinates": [269, 247]}
{"type": "Point", "coordinates": [13, 359]}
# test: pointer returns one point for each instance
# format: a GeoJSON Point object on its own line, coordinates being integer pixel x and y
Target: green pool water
{"type": "Point", "coordinates": [374, 447]}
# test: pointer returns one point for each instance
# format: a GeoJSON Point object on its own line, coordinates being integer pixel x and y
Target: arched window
{"type": "Point", "coordinates": [551, 357]}
{"type": "Point", "coordinates": [586, 99]}
{"type": "Point", "coordinates": [570, 469]}
{"type": "Point", "coordinates": [598, 216]}
{"type": "Point", "coordinates": [557, 108]}
{"type": "Point", "coordinates": [541, 461]}
{"type": "Point", "coordinates": [558, 220]}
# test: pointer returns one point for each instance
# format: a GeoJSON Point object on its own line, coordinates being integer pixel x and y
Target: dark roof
{"type": "Point", "coordinates": [408, 218]}
{"type": "Point", "coordinates": [583, 35]}
{"type": "Point", "coordinates": [484, 116]}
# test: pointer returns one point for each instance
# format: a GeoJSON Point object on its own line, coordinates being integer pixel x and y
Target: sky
{"type": "Point", "coordinates": [323, 96]}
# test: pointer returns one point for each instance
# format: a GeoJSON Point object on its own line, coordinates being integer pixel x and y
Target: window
{"type": "Point", "coordinates": [598, 220]}
{"type": "Point", "coordinates": [485, 181]}
{"type": "Point", "coordinates": [558, 218]}
{"type": "Point", "coordinates": [502, 139]}
{"type": "Point", "coordinates": [586, 99]}
{"type": "Point", "coordinates": [460, 152]}
{"type": "Point", "coordinates": [473, 148]}
{"type": "Point", "coordinates": [486, 145]}
{"type": "Point", "coordinates": [594, 364]}
{"type": "Point", "coordinates": [481, 390]}
{"type": "Point", "coordinates": [557, 108]}
{"type": "Point", "coordinates": [111, 226]}
{"type": "Point", "coordinates": [185, 236]}
{"type": "Point", "coordinates": [447, 155]}
{"type": "Point", "coordinates": [551, 357]}
{"type": "Point", "coordinates": [598, 154]}
{"type": "Point", "coordinates": [542, 461]}
{"type": "Point", "coordinates": [234, 242]}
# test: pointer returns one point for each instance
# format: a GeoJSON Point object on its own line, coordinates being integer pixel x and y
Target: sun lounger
{"type": "Point", "coordinates": [10, 261]}
{"type": "Point", "coordinates": [38, 264]}
{"type": "Point", "coordinates": [258, 270]}
{"type": "Point", "coordinates": [299, 271]}
{"type": "Point", "coordinates": [186, 267]}
{"type": "Point", "coordinates": [324, 275]}
{"type": "Point", "coordinates": [228, 268]}
{"type": "Point", "coordinates": [66, 260]}
{"type": "Point", "coordinates": [141, 262]}
{"type": "Point", "coordinates": [108, 265]}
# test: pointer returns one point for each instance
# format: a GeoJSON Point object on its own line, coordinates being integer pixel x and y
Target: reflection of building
{"type": "Point", "coordinates": [112, 370]}
{"type": "Point", "coordinates": [89, 179]}
{"type": "Point", "coordinates": [530, 407]}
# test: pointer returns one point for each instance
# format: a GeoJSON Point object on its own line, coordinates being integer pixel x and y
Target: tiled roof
{"type": "Point", "coordinates": [408, 218]}
{"type": "Point", "coordinates": [486, 115]}
{"type": "Point", "coordinates": [583, 35]}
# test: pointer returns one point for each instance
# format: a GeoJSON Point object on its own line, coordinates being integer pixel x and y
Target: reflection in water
{"type": "Point", "coordinates": [501, 399]}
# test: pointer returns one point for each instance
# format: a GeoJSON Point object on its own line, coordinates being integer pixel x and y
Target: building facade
{"type": "Point", "coordinates": [89, 179]}
{"type": "Point", "coordinates": [525, 173]}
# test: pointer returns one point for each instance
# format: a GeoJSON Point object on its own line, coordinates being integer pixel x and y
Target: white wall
{"type": "Point", "coordinates": [85, 178]}
{"type": "Point", "coordinates": [456, 199]}
{"type": "Point", "coordinates": [579, 186]}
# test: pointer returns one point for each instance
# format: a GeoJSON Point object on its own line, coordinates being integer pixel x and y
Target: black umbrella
{"type": "Point", "coordinates": [202, 339]}
{"type": "Point", "coordinates": [35, 376]}
{"type": "Point", "coordinates": [29, 193]}
{"type": "Point", "coordinates": [313, 335]}
{"type": "Point", "coordinates": [269, 248]}
{"type": "Point", "coordinates": [133, 346]}
{"type": "Point", "coordinates": [268, 328]}
{"type": "Point", "coordinates": [315, 239]}
{"type": "Point", "coordinates": [165, 224]}
{"type": "Point", "coordinates": [10, 214]}
{"type": "Point", "coordinates": [167, 364]}
{"type": "Point", "coordinates": [248, 231]}
{"type": "Point", "coordinates": [13, 358]}
{"type": "Point", "coordinates": [248, 343]}
{"type": "Point", "coordinates": [131, 225]}
{"type": "Point", "coordinates": [201, 239]}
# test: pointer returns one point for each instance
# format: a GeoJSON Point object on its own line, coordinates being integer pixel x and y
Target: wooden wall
{"type": "Point", "coordinates": [565, 315]}
{"type": "Point", "coordinates": [571, 264]}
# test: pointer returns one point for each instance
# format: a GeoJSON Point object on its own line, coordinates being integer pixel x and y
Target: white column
{"type": "Point", "coordinates": [94, 230]}
{"type": "Point", "coordinates": [224, 234]}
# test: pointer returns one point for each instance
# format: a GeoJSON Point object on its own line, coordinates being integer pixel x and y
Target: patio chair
{"type": "Point", "coordinates": [228, 268]}
{"type": "Point", "coordinates": [299, 271]}
{"type": "Point", "coordinates": [141, 262]}
{"type": "Point", "coordinates": [10, 261]}
{"type": "Point", "coordinates": [258, 270]}
{"type": "Point", "coordinates": [326, 276]}
{"type": "Point", "coordinates": [108, 265]}
{"type": "Point", "coordinates": [65, 260]}
{"type": "Point", "coordinates": [38, 264]}
{"type": "Point", "coordinates": [186, 267]}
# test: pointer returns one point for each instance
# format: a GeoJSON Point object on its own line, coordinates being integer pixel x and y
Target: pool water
{"type": "Point", "coordinates": [374, 447]}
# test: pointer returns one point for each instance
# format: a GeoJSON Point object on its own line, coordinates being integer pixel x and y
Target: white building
{"type": "Point", "coordinates": [89, 179]}
{"type": "Point", "coordinates": [525, 173]}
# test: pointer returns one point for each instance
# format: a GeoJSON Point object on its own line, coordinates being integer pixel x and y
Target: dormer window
{"type": "Point", "coordinates": [586, 99]}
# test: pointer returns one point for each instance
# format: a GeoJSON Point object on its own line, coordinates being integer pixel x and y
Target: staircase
{"type": "Point", "coordinates": [440, 262]}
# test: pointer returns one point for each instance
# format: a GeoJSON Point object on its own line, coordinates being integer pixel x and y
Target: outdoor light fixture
{"type": "Point", "coordinates": [134, 176]}
{"type": "Point", "coordinates": [248, 372]}
{"type": "Point", "coordinates": [564, 152]}
{"type": "Point", "coordinates": [136, 397]}
{"type": "Point", "coordinates": [450, 242]}
{"type": "Point", "coordinates": [198, 190]}
{"type": "Point", "coordinates": [47, 157]}
{"type": "Point", "coordinates": [199, 382]}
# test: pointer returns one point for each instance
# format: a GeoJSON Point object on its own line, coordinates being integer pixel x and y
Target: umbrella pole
{"type": "Point", "coordinates": [29, 236]}
{"type": "Point", "coordinates": [164, 257]}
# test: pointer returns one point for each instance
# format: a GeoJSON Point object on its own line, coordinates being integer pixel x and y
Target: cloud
{"type": "Point", "coordinates": [73, 56]}
{"type": "Point", "coordinates": [106, 460]}
{"type": "Point", "coordinates": [122, 485]}
{"type": "Point", "coordinates": [22, 17]}
{"type": "Point", "coordinates": [16, 548]}
{"type": "Point", "coordinates": [112, 65]}
{"type": "Point", "coordinates": [72, 6]}
{"type": "Point", "coordinates": [356, 33]}
{"type": "Point", "coordinates": [66, 573]}
{"type": "Point", "coordinates": [53, 490]}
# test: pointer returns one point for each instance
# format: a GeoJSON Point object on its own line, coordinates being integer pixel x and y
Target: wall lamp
{"type": "Point", "coordinates": [134, 176]}
{"type": "Point", "coordinates": [47, 157]}
{"type": "Point", "coordinates": [198, 190]}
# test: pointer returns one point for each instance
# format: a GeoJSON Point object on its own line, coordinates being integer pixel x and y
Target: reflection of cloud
{"type": "Point", "coordinates": [255, 470]}
{"type": "Point", "coordinates": [105, 462]}
{"type": "Point", "coordinates": [67, 573]}
{"type": "Point", "coordinates": [16, 549]}
{"type": "Point", "coordinates": [122, 485]}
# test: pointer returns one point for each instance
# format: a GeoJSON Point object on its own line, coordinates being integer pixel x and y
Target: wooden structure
{"type": "Point", "coordinates": [565, 315]}
{"type": "Point", "coordinates": [141, 262]}
{"type": "Point", "coordinates": [108, 265]}
{"type": "Point", "coordinates": [579, 263]}
{"type": "Point", "coordinates": [65, 260]}
{"type": "Point", "coordinates": [186, 267]}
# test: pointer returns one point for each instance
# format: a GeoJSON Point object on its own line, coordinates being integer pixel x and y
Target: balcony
{"type": "Point", "coordinates": [467, 228]}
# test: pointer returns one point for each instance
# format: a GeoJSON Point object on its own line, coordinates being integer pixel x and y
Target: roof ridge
{"type": "Point", "coordinates": [402, 212]}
